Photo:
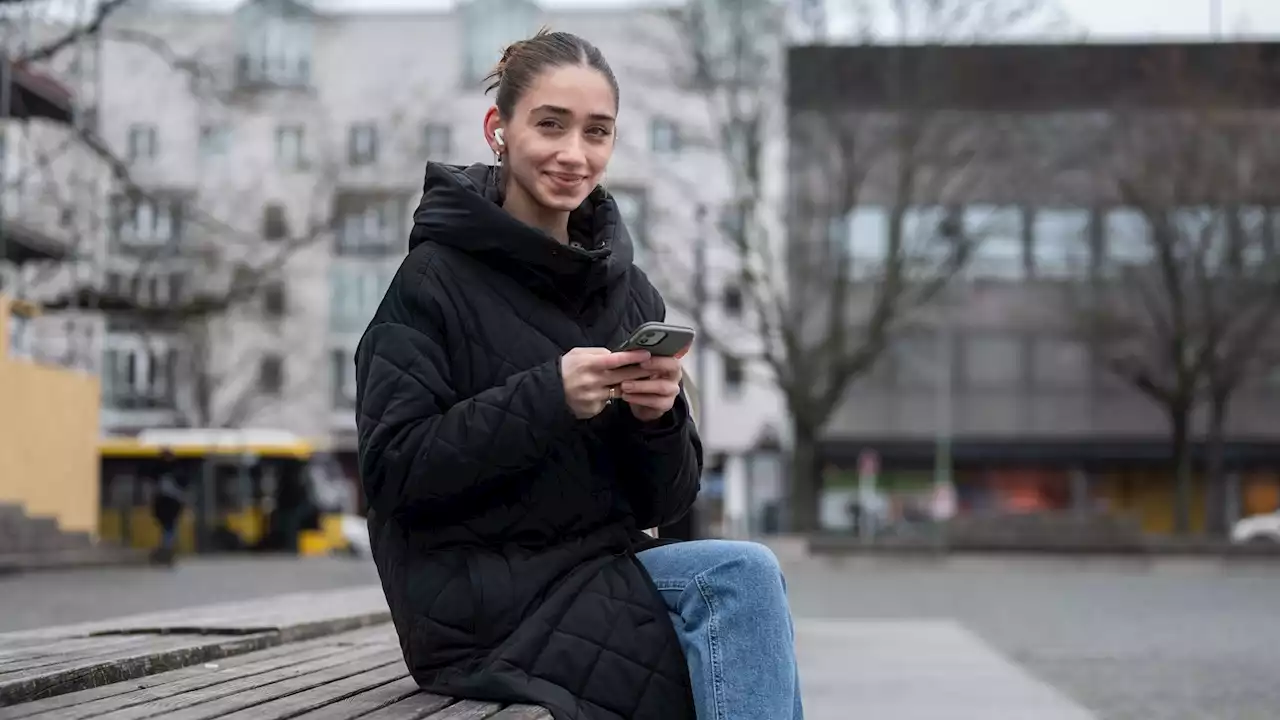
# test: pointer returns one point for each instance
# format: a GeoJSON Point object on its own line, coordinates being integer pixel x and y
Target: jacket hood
{"type": "Point", "coordinates": [461, 209]}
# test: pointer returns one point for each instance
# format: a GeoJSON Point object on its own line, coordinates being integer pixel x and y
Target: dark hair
{"type": "Point", "coordinates": [524, 60]}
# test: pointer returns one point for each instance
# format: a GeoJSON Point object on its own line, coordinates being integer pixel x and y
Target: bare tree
{"type": "Point", "coordinates": [825, 300]}
{"type": "Point", "coordinates": [1186, 304]}
{"type": "Point", "coordinates": [220, 265]}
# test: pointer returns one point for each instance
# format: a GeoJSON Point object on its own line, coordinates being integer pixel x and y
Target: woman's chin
{"type": "Point", "coordinates": [561, 202]}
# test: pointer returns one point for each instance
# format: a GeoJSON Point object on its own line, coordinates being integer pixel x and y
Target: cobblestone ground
{"type": "Point", "coordinates": [1130, 641]}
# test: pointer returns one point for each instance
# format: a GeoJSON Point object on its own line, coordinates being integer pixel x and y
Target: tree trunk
{"type": "Point", "coordinates": [805, 480]}
{"type": "Point", "coordinates": [1215, 505]}
{"type": "Point", "coordinates": [1180, 423]}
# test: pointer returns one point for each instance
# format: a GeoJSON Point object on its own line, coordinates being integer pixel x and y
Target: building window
{"type": "Point", "coordinates": [215, 140]}
{"type": "Point", "coordinates": [1127, 239]}
{"type": "Point", "coordinates": [342, 371]}
{"type": "Point", "coordinates": [137, 372]}
{"type": "Point", "coordinates": [271, 375]}
{"type": "Point", "coordinates": [275, 49]}
{"type": "Point", "coordinates": [291, 146]}
{"type": "Point", "coordinates": [370, 226]}
{"type": "Point", "coordinates": [437, 141]}
{"type": "Point", "coordinates": [929, 238]}
{"type": "Point", "coordinates": [633, 209]}
{"type": "Point", "coordinates": [149, 222]}
{"type": "Point", "coordinates": [275, 299]}
{"type": "Point", "coordinates": [149, 288]}
{"type": "Point", "coordinates": [489, 26]}
{"type": "Point", "coordinates": [275, 226]}
{"type": "Point", "coordinates": [1255, 237]}
{"type": "Point", "coordinates": [1202, 230]}
{"type": "Point", "coordinates": [732, 299]}
{"type": "Point", "coordinates": [144, 142]}
{"type": "Point", "coordinates": [20, 334]}
{"type": "Point", "coordinates": [865, 233]}
{"type": "Point", "coordinates": [993, 361]}
{"type": "Point", "coordinates": [664, 136]}
{"type": "Point", "coordinates": [355, 291]}
{"type": "Point", "coordinates": [362, 144]}
{"type": "Point", "coordinates": [1059, 363]}
{"type": "Point", "coordinates": [734, 372]}
{"type": "Point", "coordinates": [914, 361]}
{"type": "Point", "coordinates": [733, 223]}
{"type": "Point", "coordinates": [1060, 243]}
{"type": "Point", "coordinates": [996, 237]}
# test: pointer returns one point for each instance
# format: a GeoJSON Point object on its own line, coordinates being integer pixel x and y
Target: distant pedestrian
{"type": "Point", "coordinates": [166, 506]}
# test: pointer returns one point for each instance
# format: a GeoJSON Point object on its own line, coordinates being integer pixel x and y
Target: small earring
{"type": "Point", "coordinates": [497, 158]}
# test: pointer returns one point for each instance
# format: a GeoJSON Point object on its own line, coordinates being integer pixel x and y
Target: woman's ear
{"type": "Point", "coordinates": [493, 131]}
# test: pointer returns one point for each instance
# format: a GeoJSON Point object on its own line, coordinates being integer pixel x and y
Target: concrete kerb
{"type": "Point", "coordinates": [97, 557]}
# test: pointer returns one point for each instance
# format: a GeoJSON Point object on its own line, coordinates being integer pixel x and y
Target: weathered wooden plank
{"type": "Point", "coordinates": [62, 650]}
{"type": "Point", "coordinates": [200, 706]}
{"type": "Point", "coordinates": [291, 706]}
{"type": "Point", "coordinates": [333, 611]}
{"type": "Point", "coordinates": [414, 707]}
{"type": "Point", "coordinates": [357, 706]}
{"type": "Point", "coordinates": [109, 698]}
{"type": "Point", "coordinates": [133, 646]}
{"type": "Point", "coordinates": [103, 671]}
{"type": "Point", "coordinates": [467, 710]}
{"type": "Point", "coordinates": [37, 647]}
{"type": "Point", "coordinates": [522, 712]}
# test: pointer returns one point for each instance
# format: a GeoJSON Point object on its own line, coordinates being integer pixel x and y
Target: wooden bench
{"type": "Point", "coordinates": [266, 659]}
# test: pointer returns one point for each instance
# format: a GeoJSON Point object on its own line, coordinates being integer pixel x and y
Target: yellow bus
{"type": "Point", "coordinates": [244, 490]}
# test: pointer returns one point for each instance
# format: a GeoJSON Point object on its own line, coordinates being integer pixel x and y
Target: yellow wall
{"type": "Point", "coordinates": [48, 438]}
{"type": "Point", "coordinates": [1149, 497]}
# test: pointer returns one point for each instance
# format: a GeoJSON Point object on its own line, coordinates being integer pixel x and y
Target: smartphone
{"type": "Point", "coordinates": [660, 339]}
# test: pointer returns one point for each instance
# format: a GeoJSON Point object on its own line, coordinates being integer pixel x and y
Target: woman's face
{"type": "Point", "coordinates": [559, 138]}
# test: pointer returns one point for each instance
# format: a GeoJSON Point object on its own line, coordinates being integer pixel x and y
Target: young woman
{"type": "Point", "coordinates": [511, 460]}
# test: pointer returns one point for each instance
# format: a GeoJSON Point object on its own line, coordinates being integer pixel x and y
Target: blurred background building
{"type": "Point", "coordinates": [280, 150]}
{"type": "Point", "coordinates": [931, 275]}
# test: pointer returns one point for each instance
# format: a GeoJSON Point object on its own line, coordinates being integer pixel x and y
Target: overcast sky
{"type": "Point", "coordinates": [1102, 19]}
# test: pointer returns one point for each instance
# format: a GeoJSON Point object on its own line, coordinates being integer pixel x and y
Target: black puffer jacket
{"type": "Point", "coordinates": [504, 529]}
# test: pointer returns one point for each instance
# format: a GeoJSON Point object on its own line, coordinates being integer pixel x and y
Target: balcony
{"type": "Point", "coordinates": [149, 227]}
{"type": "Point", "coordinates": [36, 222]}
{"type": "Point", "coordinates": [370, 225]}
{"type": "Point", "coordinates": [139, 377]}
{"type": "Point", "coordinates": [275, 41]}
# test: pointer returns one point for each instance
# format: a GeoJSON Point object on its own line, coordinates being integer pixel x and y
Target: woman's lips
{"type": "Point", "coordinates": [566, 181]}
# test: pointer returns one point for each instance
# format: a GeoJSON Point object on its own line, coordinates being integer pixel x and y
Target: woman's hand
{"type": "Point", "coordinates": [592, 376]}
{"type": "Point", "coordinates": [654, 396]}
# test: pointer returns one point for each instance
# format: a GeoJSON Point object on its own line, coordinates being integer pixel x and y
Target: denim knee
{"type": "Point", "coordinates": [754, 562]}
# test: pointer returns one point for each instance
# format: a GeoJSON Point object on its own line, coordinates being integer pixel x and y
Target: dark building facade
{"type": "Point", "coordinates": [1020, 141]}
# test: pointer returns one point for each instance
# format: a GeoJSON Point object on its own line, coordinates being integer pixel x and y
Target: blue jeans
{"type": "Point", "coordinates": [728, 602]}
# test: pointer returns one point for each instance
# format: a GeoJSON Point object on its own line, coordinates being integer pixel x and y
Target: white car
{"type": "Point", "coordinates": [1257, 529]}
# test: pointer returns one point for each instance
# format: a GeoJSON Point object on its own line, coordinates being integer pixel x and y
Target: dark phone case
{"type": "Point", "coordinates": [672, 345]}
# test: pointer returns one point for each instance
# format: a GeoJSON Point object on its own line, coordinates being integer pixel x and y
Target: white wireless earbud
{"type": "Point", "coordinates": [497, 136]}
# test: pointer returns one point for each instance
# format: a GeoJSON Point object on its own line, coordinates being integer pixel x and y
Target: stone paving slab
{"type": "Point", "coordinates": [917, 670]}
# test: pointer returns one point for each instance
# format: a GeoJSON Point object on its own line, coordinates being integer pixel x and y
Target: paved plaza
{"type": "Point", "coordinates": [880, 638]}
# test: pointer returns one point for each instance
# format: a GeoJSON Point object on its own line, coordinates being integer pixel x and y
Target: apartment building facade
{"type": "Point", "coordinates": [275, 135]}
{"type": "Point", "coordinates": [991, 380]}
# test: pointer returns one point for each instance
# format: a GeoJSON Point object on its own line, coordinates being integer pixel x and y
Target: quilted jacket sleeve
{"type": "Point", "coordinates": [660, 464]}
{"type": "Point", "coordinates": [419, 442]}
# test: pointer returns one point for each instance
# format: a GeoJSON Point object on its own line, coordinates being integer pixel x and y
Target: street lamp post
{"type": "Point", "coordinates": [943, 407]}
